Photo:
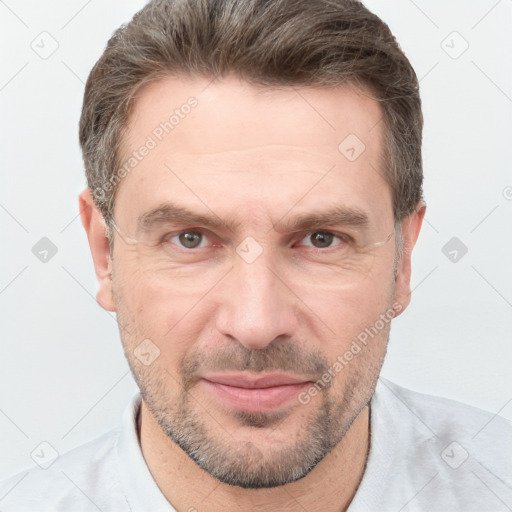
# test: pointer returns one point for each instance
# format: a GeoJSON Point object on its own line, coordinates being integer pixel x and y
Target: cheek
{"type": "Point", "coordinates": [345, 302]}
{"type": "Point", "coordinates": [173, 288]}
{"type": "Point", "coordinates": [354, 315]}
{"type": "Point", "coordinates": [158, 311]}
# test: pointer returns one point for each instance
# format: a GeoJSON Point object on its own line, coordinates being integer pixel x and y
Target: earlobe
{"type": "Point", "coordinates": [94, 226]}
{"type": "Point", "coordinates": [411, 227]}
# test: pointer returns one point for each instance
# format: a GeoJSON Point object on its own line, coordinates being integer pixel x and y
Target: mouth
{"type": "Point", "coordinates": [255, 392]}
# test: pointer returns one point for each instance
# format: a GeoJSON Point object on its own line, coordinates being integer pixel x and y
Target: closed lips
{"type": "Point", "coordinates": [255, 381]}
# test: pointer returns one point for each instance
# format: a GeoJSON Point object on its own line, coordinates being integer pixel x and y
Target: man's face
{"type": "Point", "coordinates": [253, 297]}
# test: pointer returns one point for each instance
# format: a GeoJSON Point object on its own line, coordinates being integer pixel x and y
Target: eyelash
{"type": "Point", "coordinates": [343, 237]}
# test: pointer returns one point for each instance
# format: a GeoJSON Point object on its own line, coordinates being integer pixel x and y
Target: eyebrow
{"type": "Point", "coordinates": [171, 213]}
{"type": "Point", "coordinates": [337, 216]}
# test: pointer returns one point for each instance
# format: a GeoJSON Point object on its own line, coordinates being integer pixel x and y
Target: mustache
{"type": "Point", "coordinates": [277, 356]}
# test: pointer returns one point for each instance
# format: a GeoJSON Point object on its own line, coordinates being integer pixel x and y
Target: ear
{"type": "Point", "coordinates": [411, 226]}
{"type": "Point", "coordinates": [94, 225]}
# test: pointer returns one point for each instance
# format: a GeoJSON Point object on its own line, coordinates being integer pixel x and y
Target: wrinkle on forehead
{"type": "Point", "coordinates": [267, 151]}
{"type": "Point", "coordinates": [232, 115]}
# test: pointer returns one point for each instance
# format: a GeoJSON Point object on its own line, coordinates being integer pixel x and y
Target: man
{"type": "Point", "coordinates": [255, 174]}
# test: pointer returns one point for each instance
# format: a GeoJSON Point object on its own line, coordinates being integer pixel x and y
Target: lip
{"type": "Point", "coordinates": [255, 392]}
{"type": "Point", "coordinates": [251, 380]}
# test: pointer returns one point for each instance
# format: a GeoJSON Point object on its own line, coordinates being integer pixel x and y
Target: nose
{"type": "Point", "coordinates": [256, 306]}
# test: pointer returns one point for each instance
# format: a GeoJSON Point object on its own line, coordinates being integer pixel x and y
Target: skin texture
{"type": "Point", "coordinates": [255, 157]}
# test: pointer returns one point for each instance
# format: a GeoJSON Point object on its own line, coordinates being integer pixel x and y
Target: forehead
{"type": "Point", "coordinates": [222, 145]}
{"type": "Point", "coordinates": [254, 115]}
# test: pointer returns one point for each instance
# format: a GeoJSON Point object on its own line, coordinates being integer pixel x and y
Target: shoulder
{"type": "Point", "coordinates": [79, 480]}
{"type": "Point", "coordinates": [438, 450]}
{"type": "Point", "coordinates": [445, 417]}
{"type": "Point", "coordinates": [444, 413]}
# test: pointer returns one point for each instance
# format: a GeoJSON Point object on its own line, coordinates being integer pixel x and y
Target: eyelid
{"type": "Point", "coordinates": [344, 237]}
{"type": "Point", "coordinates": [172, 234]}
{"type": "Point", "coordinates": [341, 236]}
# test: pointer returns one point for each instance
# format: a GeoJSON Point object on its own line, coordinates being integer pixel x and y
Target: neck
{"type": "Point", "coordinates": [329, 487]}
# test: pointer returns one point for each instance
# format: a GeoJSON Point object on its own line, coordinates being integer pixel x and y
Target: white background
{"type": "Point", "coordinates": [63, 376]}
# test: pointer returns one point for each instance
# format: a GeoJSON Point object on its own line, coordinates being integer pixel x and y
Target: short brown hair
{"type": "Point", "coordinates": [266, 43]}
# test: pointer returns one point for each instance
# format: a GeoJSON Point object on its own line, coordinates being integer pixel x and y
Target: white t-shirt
{"type": "Point", "coordinates": [426, 453]}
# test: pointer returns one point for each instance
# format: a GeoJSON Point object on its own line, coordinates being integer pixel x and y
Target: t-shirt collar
{"type": "Point", "coordinates": [141, 491]}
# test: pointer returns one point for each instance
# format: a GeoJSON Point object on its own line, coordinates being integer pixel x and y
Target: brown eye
{"type": "Point", "coordinates": [321, 239]}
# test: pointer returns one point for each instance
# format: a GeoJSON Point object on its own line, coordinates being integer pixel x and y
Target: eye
{"type": "Point", "coordinates": [190, 239]}
{"type": "Point", "coordinates": [324, 239]}
{"type": "Point", "coordinates": [195, 239]}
